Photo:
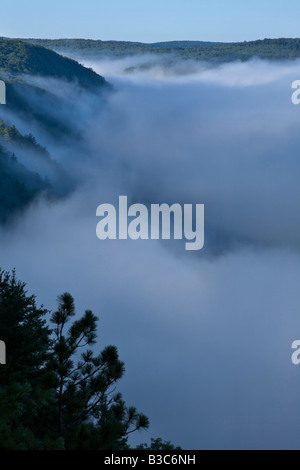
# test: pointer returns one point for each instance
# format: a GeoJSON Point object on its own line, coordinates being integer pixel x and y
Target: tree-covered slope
{"type": "Point", "coordinates": [26, 167]}
{"type": "Point", "coordinates": [18, 185]}
{"type": "Point", "coordinates": [273, 49]}
{"type": "Point", "coordinates": [18, 57]}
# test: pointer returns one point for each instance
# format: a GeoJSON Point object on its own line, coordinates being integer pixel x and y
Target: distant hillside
{"type": "Point", "coordinates": [169, 44]}
{"type": "Point", "coordinates": [18, 57]}
{"type": "Point", "coordinates": [272, 49]}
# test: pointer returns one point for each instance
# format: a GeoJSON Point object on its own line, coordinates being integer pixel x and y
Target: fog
{"type": "Point", "coordinates": [205, 336]}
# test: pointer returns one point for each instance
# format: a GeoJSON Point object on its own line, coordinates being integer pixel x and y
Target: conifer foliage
{"type": "Point", "coordinates": [55, 391]}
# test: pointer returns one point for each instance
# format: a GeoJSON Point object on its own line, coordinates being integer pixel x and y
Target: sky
{"type": "Point", "coordinates": [151, 21]}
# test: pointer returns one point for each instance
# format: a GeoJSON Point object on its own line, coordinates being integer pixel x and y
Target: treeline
{"type": "Point", "coordinates": [27, 171]}
{"type": "Point", "coordinates": [10, 134]}
{"type": "Point", "coordinates": [58, 388]}
{"type": "Point", "coordinates": [272, 49]}
{"type": "Point", "coordinates": [18, 186]}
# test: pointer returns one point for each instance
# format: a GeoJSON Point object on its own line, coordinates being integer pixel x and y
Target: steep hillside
{"type": "Point", "coordinates": [18, 186]}
{"type": "Point", "coordinates": [41, 107]}
{"type": "Point", "coordinates": [18, 57]}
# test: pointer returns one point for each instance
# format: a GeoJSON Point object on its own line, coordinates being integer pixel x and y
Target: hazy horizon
{"type": "Point", "coordinates": [149, 21]}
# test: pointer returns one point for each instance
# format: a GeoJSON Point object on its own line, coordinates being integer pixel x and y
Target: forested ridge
{"type": "Point", "coordinates": [18, 57]}
{"type": "Point", "coordinates": [272, 49]}
{"type": "Point", "coordinates": [27, 169]}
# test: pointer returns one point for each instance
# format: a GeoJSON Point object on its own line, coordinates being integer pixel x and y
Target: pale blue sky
{"type": "Point", "coordinates": [150, 21]}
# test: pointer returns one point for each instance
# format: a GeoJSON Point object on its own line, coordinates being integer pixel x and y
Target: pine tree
{"type": "Point", "coordinates": [87, 413]}
{"type": "Point", "coordinates": [23, 329]}
{"type": "Point", "coordinates": [55, 392]}
{"type": "Point", "coordinates": [26, 336]}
